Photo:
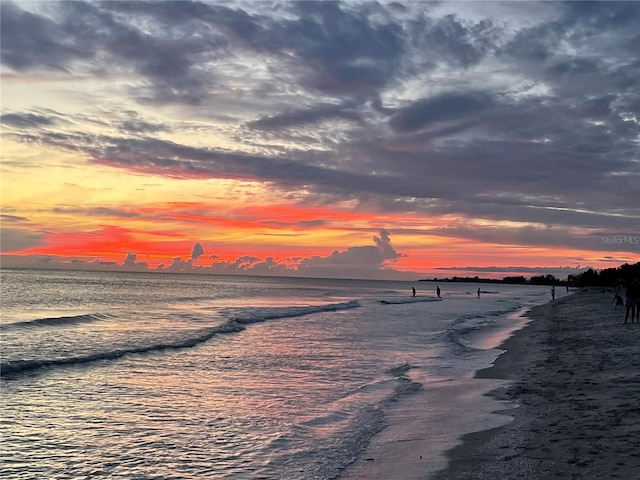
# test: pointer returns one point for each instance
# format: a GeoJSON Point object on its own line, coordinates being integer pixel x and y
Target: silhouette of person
{"type": "Point", "coordinates": [478, 292]}
{"type": "Point", "coordinates": [631, 302]}
{"type": "Point", "coordinates": [438, 291]}
{"type": "Point", "coordinates": [413, 292]}
{"type": "Point", "coordinates": [618, 301]}
{"type": "Point", "coordinates": [553, 292]}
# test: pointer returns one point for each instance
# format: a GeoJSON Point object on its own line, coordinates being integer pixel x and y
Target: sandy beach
{"type": "Point", "coordinates": [567, 390]}
{"type": "Point", "coordinates": [576, 378]}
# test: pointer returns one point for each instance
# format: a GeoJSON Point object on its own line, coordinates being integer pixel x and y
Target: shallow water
{"type": "Point", "coordinates": [113, 375]}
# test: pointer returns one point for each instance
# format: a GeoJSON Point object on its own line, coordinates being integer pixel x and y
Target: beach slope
{"type": "Point", "coordinates": [575, 372]}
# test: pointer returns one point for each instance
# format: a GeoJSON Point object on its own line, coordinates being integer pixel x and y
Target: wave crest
{"type": "Point", "coordinates": [233, 325]}
{"type": "Point", "coordinates": [56, 321]}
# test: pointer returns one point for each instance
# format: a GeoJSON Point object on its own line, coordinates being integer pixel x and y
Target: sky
{"type": "Point", "coordinates": [395, 140]}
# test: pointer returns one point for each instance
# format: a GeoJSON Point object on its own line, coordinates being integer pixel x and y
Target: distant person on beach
{"type": "Point", "coordinates": [413, 291]}
{"type": "Point", "coordinates": [632, 305]}
{"type": "Point", "coordinates": [553, 292]}
{"type": "Point", "coordinates": [478, 292]}
{"type": "Point", "coordinates": [617, 301]}
{"type": "Point", "coordinates": [438, 291]}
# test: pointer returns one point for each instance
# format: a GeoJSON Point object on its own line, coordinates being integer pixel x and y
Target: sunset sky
{"type": "Point", "coordinates": [343, 139]}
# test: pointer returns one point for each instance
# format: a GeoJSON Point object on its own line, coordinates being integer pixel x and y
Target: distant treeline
{"type": "Point", "coordinates": [609, 277]}
{"type": "Point", "coordinates": [519, 280]}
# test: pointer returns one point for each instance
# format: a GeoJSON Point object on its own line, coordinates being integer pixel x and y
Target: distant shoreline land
{"type": "Point", "coordinates": [609, 277]}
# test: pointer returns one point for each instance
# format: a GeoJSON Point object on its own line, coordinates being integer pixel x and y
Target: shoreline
{"type": "Point", "coordinates": [562, 400]}
{"type": "Point", "coordinates": [418, 436]}
{"type": "Point", "coordinates": [573, 374]}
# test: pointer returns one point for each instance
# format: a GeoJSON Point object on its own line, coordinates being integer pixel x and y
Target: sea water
{"type": "Point", "coordinates": [170, 376]}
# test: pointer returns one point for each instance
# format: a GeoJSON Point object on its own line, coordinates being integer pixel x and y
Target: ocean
{"type": "Point", "coordinates": [172, 376]}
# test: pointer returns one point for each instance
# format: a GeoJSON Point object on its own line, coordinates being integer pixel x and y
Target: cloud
{"type": "Point", "coordinates": [346, 50]}
{"type": "Point", "coordinates": [459, 178]}
{"type": "Point", "coordinates": [137, 126]}
{"type": "Point", "coordinates": [106, 35]}
{"type": "Point", "coordinates": [312, 115]}
{"type": "Point", "coordinates": [461, 41]}
{"type": "Point", "coordinates": [57, 263]}
{"type": "Point", "coordinates": [130, 264]}
{"type": "Point", "coordinates": [241, 265]}
{"type": "Point", "coordinates": [8, 218]}
{"type": "Point", "coordinates": [354, 262]}
{"type": "Point", "coordinates": [254, 266]}
{"type": "Point", "coordinates": [28, 40]}
{"type": "Point", "coordinates": [438, 109]}
{"type": "Point", "coordinates": [196, 252]}
{"type": "Point", "coordinates": [97, 212]}
{"type": "Point", "coordinates": [130, 259]}
{"type": "Point", "coordinates": [17, 233]}
{"type": "Point", "coordinates": [372, 261]}
{"type": "Point", "coordinates": [14, 239]}
{"type": "Point", "coordinates": [523, 127]}
{"type": "Point", "coordinates": [26, 120]}
{"type": "Point", "coordinates": [383, 243]}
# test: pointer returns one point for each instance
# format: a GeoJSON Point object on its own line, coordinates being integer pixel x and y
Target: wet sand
{"type": "Point", "coordinates": [576, 380]}
{"type": "Point", "coordinates": [565, 399]}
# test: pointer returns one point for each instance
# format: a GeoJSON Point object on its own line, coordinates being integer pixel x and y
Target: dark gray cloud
{"type": "Point", "coordinates": [26, 120]}
{"type": "Point", "coordinates": [8, 218]}
{"type": "Point", "coordinates": [130, 259]}
{"type": "Point", "coordinates": [439, 109]}
{"type": "Point", "coordinates": [535, 44]}
{"type": "Point", "coordinates": [595, 17]}
{"type": "Point", "coordinates": [485, 184]}
{"type": "Point", "coordinates": [28, 40]}
{"type": "Point", "coordinates": [342, 50]}
{"type": "Point", "coordinates": [17, 233]}
{"type": "Point", "coordinates": [105, 35]}
{"type": "Point", "coordinates": [196, 252]}
{"type": "Point", "coordinates": [136, 126]}
{"type": "Point", "coordinates": [15, 238]}
{"type": "Point", "coordinates": [457, 41]}
{"type": "Point", "coordinates": [97, 212]}
{"type": "Point", "coordinates": [249, 265]}
{"type": "Point", "coordinates": [347, 51]}
{"type": "Point", "coordinates": [313, 115]}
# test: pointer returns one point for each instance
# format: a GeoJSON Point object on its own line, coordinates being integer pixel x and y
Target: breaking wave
{"type": "Point", "coordinates": [233, 325]}
{"type": "Point", "coordinates": [56, 321]}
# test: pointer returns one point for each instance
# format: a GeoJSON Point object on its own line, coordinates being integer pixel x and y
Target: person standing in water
{"type": "Point", "coordinates": [438, 291]}
{"type": "Point", "coordinates": [478, 292]}
{"type": "Point", "coordinates": [553, 292]}
{"type": "Point", "coordinates": [631, 302]}
{"type": "Point", "coordinates": [413, 291]}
